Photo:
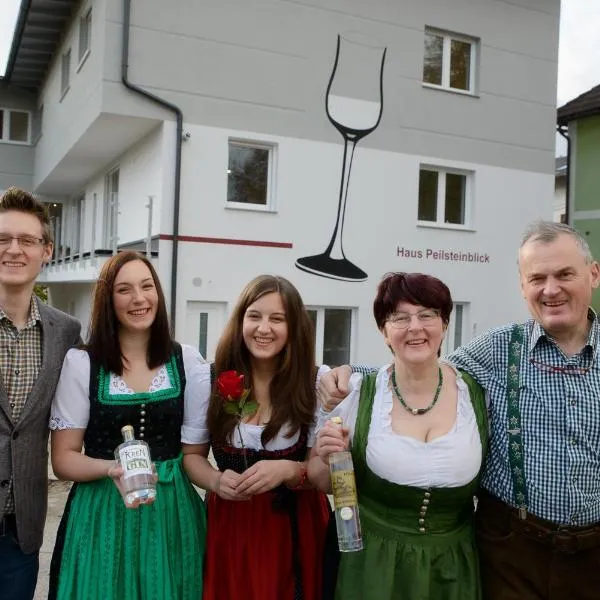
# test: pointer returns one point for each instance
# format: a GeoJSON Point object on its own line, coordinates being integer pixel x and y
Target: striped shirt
{"type": "Point", "coordinates": [560, 421]}
{"type": "Point", "coordinates": [20, 362]}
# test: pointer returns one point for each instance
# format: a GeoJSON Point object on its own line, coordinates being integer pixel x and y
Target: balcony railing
{"type": "Point", "coordinates": [71, 251]}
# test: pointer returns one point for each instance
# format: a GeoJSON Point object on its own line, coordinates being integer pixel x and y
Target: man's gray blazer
{"type": "Point", "coordinates": [24, 444]}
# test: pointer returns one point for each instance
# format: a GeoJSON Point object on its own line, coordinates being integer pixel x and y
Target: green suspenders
{"type": "Point", "coordinates": [515, 441]}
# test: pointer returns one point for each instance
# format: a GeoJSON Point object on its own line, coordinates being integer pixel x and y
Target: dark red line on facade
{"type": "Point", "coordinates": [229, 241]}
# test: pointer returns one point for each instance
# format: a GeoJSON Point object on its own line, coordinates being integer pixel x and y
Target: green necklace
{"type": "Point", "coordinates": [418, 411]}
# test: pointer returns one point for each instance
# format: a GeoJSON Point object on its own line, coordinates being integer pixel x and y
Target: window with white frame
{"type": "Point", "coordinates": [333, 334]}
{"type": "Point", "coordinates": [65, 72]}
{"type": "Point", "coordinates": [15, 126]}
{"type": "Point", "coordinates": [449, 61]}
{"type": "Point", "coordinates": [444, 196]}
{"type": "Point", "coordinates": [250, 174]}
{"type": "Point", "coordinates": [85, 35]}
{"type": "Point", "coordinates": [456, 334]}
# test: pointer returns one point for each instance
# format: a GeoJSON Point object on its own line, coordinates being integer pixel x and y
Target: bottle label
{"type": "Point", "coordinates": [344, 488]}
{"type": "Point", "coordinates": [135, 460]}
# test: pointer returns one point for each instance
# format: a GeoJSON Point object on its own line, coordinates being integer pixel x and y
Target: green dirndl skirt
{"type": "Point", "coordinates": [106, 551]}
{"type": "Point", "coordinates": [404, 560]}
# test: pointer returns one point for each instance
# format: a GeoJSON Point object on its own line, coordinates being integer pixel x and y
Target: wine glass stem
{"type": "Point", "coordinates": [335, 249]}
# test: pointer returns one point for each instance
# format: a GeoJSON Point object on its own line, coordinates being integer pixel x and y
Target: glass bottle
{"type": "Point", "coordinates": [345, 500]}
{"type": "Point", "coordinates": [133, 457]}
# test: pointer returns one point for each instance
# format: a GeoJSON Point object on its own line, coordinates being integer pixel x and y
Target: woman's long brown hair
{"type": "Point", "coordinates": [292, 389]}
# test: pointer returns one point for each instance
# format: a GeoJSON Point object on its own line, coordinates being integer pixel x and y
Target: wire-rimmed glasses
{"type": "Point", "coordinates": [425, 317]}
{"type": "Point", "coordinates": [24, 241]}
{"type": "Point", "coordinates": [567, 369]}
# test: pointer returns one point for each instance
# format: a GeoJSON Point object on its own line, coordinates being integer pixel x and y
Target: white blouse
{"type": "Point", "coordinates": [451, 460]}
{"type": "Point", "coordinates": [71, 405]}
{"type": "Point", "coordinates": [194, 430]}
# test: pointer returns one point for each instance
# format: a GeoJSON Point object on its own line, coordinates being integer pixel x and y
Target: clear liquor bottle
{"type": "Point", "coordinates": [345, 500]}
{"type": "Point", "coordinates": [133, 457]}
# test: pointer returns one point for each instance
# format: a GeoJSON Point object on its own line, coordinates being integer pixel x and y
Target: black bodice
{"type": "Point", "coordinates": [236, 459]}
{"type": "Point", "coordinates": [156, 417]}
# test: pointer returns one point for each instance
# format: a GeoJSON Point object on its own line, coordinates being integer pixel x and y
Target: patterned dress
{"type": "Point", "coordinates": [105, 551]}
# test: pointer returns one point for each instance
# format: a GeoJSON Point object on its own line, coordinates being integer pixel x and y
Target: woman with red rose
{"type": "Point", "coordinates": [266, 525]}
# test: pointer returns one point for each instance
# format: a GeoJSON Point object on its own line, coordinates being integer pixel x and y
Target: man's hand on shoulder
{"type": "Point", "coordinates": [333, 387]}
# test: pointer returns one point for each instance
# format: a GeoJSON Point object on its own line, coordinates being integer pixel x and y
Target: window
{"type": "Point", "coordinates": [85, 36]}
{"type": "Point", "coordinates": [38, 124]}
{"type": "Point", "coordinates": [55, 213]}
{"type": "Point", "coordinates": [449, 61]}
{"type": "Point", "coordinates": [249, 175]}
{"type": "Point", "coordinates": [456, 333]}
{"type": "Point", "coordinates": [333, 335]}
{"type": "Point", "coordinates": [111, 210]}
{"type": "Point", "coordinates": [203, 333]}
{"type": "Point", "coordinates": [14, 126]}
{"type": "Point", "coordinates": [79, 225]}
{"type": "Point", "coordinates": [65, 72]}
{"type": "Point", "coordinates": [443, 196]}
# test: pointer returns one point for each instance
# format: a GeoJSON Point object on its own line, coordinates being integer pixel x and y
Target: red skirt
{"type": "Point", "coordinates": [249, 553]}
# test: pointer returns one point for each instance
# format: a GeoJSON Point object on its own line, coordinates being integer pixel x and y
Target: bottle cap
{"type": "Point", "coordinates": [127, 432]}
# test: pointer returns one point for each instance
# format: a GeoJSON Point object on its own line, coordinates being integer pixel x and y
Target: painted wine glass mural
{"type": "Point", "coordinates": [354, 105]}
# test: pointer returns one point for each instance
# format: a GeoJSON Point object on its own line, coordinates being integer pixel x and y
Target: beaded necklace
{"type": "Point", "coordinates": [418, 411]}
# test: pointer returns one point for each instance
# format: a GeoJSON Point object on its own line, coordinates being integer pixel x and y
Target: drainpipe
{"type": "Point", "coordinates": [179, 141]}
{"type": "Point", "coordinates": [564, 131]}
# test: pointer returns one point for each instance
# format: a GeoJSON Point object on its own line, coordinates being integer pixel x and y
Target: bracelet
{"type": "Point", "coordinates": [217, 485]}
{"type": "Point", "coordinates": [303, 477]}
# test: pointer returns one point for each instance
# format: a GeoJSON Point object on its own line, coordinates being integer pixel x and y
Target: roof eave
{"type": "Point", "coordinates": [568, 116]}
{"type": "Point", "coordinates": [18, 34]}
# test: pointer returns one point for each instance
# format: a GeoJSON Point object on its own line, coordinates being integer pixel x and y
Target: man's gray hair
{"type": "Point", "coordinates": [547, 231]}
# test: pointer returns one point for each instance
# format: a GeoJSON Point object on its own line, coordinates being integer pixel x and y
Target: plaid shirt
{"type": "Point", "coordinates": [560, 421]}
{"type": "Point", "coordinates": [20, 362]}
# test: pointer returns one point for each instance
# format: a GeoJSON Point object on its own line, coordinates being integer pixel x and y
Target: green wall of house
{"type": "Point", "coordinates": [590, 228]}
{"type": "Point", "coordinates": [586, 185]}
{"type": "Point", "coordinates": [587, 167]}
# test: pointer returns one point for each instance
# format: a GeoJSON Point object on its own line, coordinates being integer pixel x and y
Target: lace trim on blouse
{"type": "Point", "coordinates": [58, 423]}
{"type": "Point", "coordinates": [118, 385]}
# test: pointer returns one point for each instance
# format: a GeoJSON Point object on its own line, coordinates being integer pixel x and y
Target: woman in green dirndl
{"type": "Point", "coordinates": [418, 431]}
{"type": "Point", "coordinates": [131, 372]}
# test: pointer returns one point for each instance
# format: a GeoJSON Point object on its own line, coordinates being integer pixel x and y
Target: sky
{"type": "Point", "coordinates": [578, 56]}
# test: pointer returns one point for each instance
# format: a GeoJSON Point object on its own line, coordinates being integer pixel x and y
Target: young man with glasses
{"type": "Point", "coordinates": [34, 339]}
{"type": "Point", "coordinates": [538, 517]}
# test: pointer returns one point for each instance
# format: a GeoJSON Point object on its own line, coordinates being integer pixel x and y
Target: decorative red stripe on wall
{"type": "Point", "coordinates": [211, 240]}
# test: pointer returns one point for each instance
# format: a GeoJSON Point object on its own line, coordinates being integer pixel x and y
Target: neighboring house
{"type": "Point", "coordinates": [580, 120]}
{"type": "Point", "coordinates": [210, 134]}
{"type": "Point", "coordinates": [560, 190]}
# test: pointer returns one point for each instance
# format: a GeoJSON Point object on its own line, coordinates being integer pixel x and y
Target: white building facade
{"type": "Point", "coordinates": [449, 143]}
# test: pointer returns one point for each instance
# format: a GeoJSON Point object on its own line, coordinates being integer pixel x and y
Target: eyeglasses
{"type": "Point", "coordinates": [24, 241]}
{"type": "Point", "coordinates": [402, 320]}
{"type": "Point", "coordinates": [569, 370]}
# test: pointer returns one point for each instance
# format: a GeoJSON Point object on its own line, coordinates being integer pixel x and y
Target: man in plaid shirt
{"type": "Point", "coordinates": [538, 516]}
{"type": "Point", "coordinates": [34, 339]}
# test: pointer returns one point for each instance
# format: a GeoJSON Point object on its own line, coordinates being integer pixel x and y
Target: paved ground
{"type": "Point", "coordinates": [57, 496]}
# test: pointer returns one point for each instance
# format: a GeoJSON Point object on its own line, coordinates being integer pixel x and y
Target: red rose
{"type": "Point", "coordinates": [230, 385]}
